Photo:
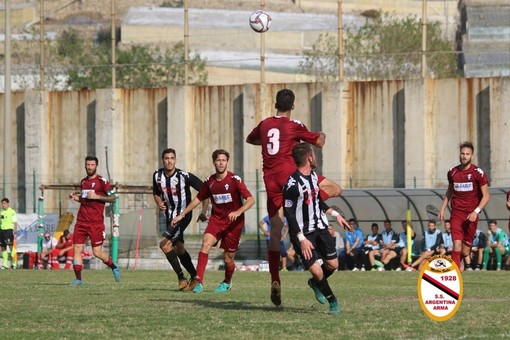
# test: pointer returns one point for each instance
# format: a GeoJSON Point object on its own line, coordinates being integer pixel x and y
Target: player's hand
{"type": "Point", "coordinates": [341, 221]}
{"type": "Point", "coordinates": [440, 216]}
{"type": "Point", "coordinates": [162, 206]}
{"type": "Point", "coordinates": [176, 219]}
{"type": "Point", "coordinates": [306, 249]}
{"type": "Point", "coordinates": [202, 218]}
{"type": "Point", "coordinates": [91, 194]}
{"type": "Point", "coordinates": [472, 216]}
{"type": "Point", "coordinates": [233, 215]}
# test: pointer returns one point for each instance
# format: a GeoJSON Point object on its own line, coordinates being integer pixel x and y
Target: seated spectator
{"type": "Point", "coordinates": [398, 249]}
{"type": "Point", "coordinates": [371, 247]}
{"type": "Point", "coordinates": [446, 247]}
{"type": "Point", "coordinates": [265, 228]}
{"type": "Point", "coordinates": [433, 239]}
{"type": "Point", "coordinates": [388, 242]}
{"type": "Point", "coordinates": [353, 246]}
{"type": "Point", "coordinates": [64, 248]}
{"type": "Point", "coordinates": [339, 246]}
{"type": "Point", "coordinates": [294, 259]}
{"type": "Point", "coordinates": [477, 248]}
{"type": "Point", "coordinates": [48, 244]}
{"type": "Point", "coordinates": [497, 244]}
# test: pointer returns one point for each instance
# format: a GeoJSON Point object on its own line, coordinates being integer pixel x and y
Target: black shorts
{"type": "Point", "coordinates": [176, 233]}
{"type": "Point", "coordinates": [397, 250]}
{"type": "Point", "coordinates": [323, 243]}
{"type": "Point", "coordinates": [6, 237]}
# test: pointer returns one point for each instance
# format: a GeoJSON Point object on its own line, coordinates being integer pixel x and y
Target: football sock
{"type": "Point", "coordinates": [5, 257]}
{"type": "Point", "coordinates": [486, 253]}
{"type": "Point", "coordinates": [456, 257]}
{"type": "Point", "coordinates": [77, 270]}
{"type": "Point", "coordinates": [202, 263]}
{"type": "Point", "coordinates": [229, 272]}
{"type": "Point", "coordinates": [325, 289]}
{"type": "Point", "coordinates": [174, 262]}
{"type": "Point", "coordinates": [273, 258]}
{"type": "Point", "coordinates": [326, 271]}
{"type": "Point", "coordinates": [188, 264]}
{"type": "Point", "coordinates": [498, 258]}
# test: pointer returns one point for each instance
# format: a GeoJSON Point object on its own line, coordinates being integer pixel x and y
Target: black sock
{"type": "Point", "coordinates": [186, 262]}
{"type": "Point", "coordinates": [325, 289]}
{"type": "Point", "coordinates": [174, 262]}
{"type": "Point", "coordinates": [326, 271]}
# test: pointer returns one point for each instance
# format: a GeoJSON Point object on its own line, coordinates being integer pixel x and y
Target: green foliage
{"type": "Point", "coordinates": [89, 64]}
{"type": "Point", "coordinates": [386, 47]}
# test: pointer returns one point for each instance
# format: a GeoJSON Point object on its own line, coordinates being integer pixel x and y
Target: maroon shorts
{"type": "Point", "coordinates": [96, 232]}
{"type": "Point", "coordinates": [230, 235]}
{"type": "Point", "coordinates": [274, 182]}
{"type": "Point", "coordinates": [462, 228]}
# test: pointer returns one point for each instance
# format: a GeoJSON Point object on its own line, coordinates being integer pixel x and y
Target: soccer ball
{"type": "Point", "coordinates": [260, 21]}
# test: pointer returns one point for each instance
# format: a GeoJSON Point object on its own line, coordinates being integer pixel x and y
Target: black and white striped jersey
{"type": "Point", "coordinates": [175, 190]}
{"type": "Point", "coordinates": [303, 207]}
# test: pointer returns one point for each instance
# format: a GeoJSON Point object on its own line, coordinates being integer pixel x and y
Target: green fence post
{"type": "Point", "coordinates": [40, 225]}
{"type": "Point", "coordinates": [115, 232]}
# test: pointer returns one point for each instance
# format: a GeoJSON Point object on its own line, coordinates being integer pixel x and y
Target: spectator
{"type": "Point", "coordinates": [447, 246]}
{"type": "Point", "coordinates": [339, 246]}
{"type": "Point", "coordinates": [479, 244]}
{"type": "Point", "coordinates": [64, 248]}
{"type": "Point", "coordinates": [389, 239]}
{"type": "Point", "coordinates": [354, 245]}
{"type": "Point", "coordinates": [433, 239]}
{"type": "Point", "coordinates": [48, 245]}
{"type": "Point", "coordinates": [497, 243]}
{"type": "Point", "coordinates": [371, 247]}
{"type": "Point", "coordinates": [265, 228]}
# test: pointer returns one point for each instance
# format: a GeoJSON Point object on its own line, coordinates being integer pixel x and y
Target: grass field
{"type": "Point", "coordinates": [41, 305]}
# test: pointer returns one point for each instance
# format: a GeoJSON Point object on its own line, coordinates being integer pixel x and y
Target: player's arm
{"type": "Point", "coordinates": [290, 203]}
{"type": "Point", "coordinates": [196, 183]}
{"type": "Point", "coordinates": [483, 202]}
{"type": "Point", "coordinates": [262, 228]}
{"type": "Point", "coordinates": [106, 199]}
{"type": "Point", "coordinates": [192, 205]}
{"type": "Point", "coordinates": [329, 187]}
{"type": "Point", "coordinates": [253, 141]}
{"type": "Point", "coordinates": [254, 136]}
{"type": "Point", "coordinates": [203, 213]}
{"type": "Point", "coordinates": [249, 201]}
{"type": "Point", "coordinates": [160, 202]}
{"type": "Point", "coordinates": [156, 193]}
{"type": "Point", "coordinates": [446, 199]}
{"type": "Point", "coordinates": [319, 143]}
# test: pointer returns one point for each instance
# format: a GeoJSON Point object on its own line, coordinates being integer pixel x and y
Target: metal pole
{"type": "Point", "coordinates": [7, 98]}
{"type": "Point", "coordinates": [34, 193]}
{"type": "Point", "coordinates": [114, 40]}
{"type": "Point", "coordinates": [340, 42]}
{"type": "Point", "coordinates": [262, 50]}
{"type": "Point", "coordinates": [115, 233]}
{"type": "Point", "coordinates": [186, 42]}
{"type": "Point", "coordinates": [424, 40]}
{"type": "Point", "coordinates": [41, 46]}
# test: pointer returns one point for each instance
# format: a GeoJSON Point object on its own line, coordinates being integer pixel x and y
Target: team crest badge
{"type": "Point", "coordinates": [440, 288]}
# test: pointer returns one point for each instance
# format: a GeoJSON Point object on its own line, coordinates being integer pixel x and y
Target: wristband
{"type": "Point", "coordinates": [301, 237]}
{"type": "Point", "coordinates": [334, 213]}
{"type": "Point", "coordinates": [477, 210]}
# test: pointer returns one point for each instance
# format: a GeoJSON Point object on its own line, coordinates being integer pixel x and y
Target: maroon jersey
{"type": "Point", "coordinates": [64, 243]}
{"type": "Point", "coordinates": [466, 185]}
{"type": "Point", "coordinates": [226, 196]}
{"type": "Point", "coordinates": [92, 211]}
{"type": "Point", "coordinates": [278, 135]}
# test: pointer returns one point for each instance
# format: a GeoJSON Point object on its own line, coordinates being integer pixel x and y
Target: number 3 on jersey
{"type": "Point", "coordinates": [274, 141]}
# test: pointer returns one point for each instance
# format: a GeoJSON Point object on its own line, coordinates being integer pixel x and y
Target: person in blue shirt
{"type": "Point", "coordinates": [447, 245]}
{"type": "Point", "coordinates": [477, 248]}
{"type": "Point", "coordinates": [433, 240]}
{"type": "Point", "coordinates": [354, 245]}
{"type": "Point", "coordinates": [265, 228]}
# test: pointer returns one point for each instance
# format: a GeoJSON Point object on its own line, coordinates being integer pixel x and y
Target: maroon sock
{"type": "Point", "coordinates": [229, 272]}
{"type": "Point", "coordinates": [109, 263]}
{"type": "Point", "coordinates": [202, 263]}
{"type": "Point", "coordinates": [273, 258]}
{"type": "Point", "coordinates": [456, 257]}
{"type": "Point", "coordinates": [77, 270]}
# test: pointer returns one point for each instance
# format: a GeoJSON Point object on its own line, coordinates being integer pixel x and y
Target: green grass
{"type": "Point", "coordinates": [146, 305]}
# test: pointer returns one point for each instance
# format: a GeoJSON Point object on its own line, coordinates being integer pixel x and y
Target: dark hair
{"type": "Point", "coordinates": [446, 221]}
{"type": "Point", "coordinates": [432, 221]}
{"type": "Point", "coordinates": [284, 100]}
{"type": "Point", "coordinates": [218, 152]}
{"type": "Point", "coordinates": [65, 232]}
{"type": "Point", "coordinates": [300, 152]}
{"type": "Point", "coordinates": [352, 220]}
{"type": "Point", "coordinates": [467, 144]}
{"type": "Point", "coordinates": [493, 222]}
{"type": "Point", "coordinates": [387, 221]}
{"type": "Point", "coordinates": [5, 199]}
{"type": "Point", "coordinates": [375, 225]}
{"type": "Point", "coordinates": [92, 158]}
{"type": "Point", "coordinates": [169, 150]}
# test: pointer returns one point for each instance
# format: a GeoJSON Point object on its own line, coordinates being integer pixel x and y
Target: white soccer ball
{"type": "Point", "coordinates": [260, 21]}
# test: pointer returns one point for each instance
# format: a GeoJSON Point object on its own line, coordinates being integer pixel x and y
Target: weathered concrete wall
{"type": "Point", "coordinates": [379, 134]}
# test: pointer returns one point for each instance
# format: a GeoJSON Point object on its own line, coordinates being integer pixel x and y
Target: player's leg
{"type": "Point", "coordinates": [208, 241]}
{"type": "Point", "coordinates": [69, 259]}
{"type": "Point", "coordinates": [226, 284]}
{"type": "Point", "coordinates": [97, 234]}
{"type": "Point", "coordinates": [54, 259]}
{"type": "Point", "coordinates": [166, 246]}
{"type": "Point", "coordinates": [499, 251]}
{"type": "Point", "coordinates": [457, 225]}
{"type": "Point", "coordinates": [486, 254]}
{"type": "Point", "coordinates": [180, 250]}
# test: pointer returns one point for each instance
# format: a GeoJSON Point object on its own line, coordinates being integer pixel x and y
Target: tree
{"type": "Point", "coordinates": [137, 66]}
{"type": "Point", "coordinates": [386, 47]}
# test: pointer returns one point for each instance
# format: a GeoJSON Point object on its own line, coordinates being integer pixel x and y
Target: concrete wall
{"type": "Point", "coordinates": [379, 134]}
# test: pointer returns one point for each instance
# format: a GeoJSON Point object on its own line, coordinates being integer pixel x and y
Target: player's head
{"type": "Point", "coordinates": [220, 159]}
{"type": "Point", "coordinates": [375, 228]}
{"type": "Point", "coordinates": [352, 223]}
{"type": "Point", "coordinates": [432, 225]}
{"type": "Point", "coordinates": [65, 233]}
{"type": "Point", "coordinates": [5, 203]}
{"type": "Point", "coordinates": [447, 225]}
{"type": "Point", "coordinates": [303, 155]}
{"type": "Point", "coordinates": [47, 236]}
{"type": "Point", "coordinates": [493, 225]}
{"type": "Point", "coordinates": [168, 159]}
{"type": "Point", "coordinates": [387, 224]}
{"type": "Point", "coordinates": [466, 153]}
{"type": "Point", "coordinates": [284, 100]}
{"type": "Point", "coordinates": [91, 163]}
